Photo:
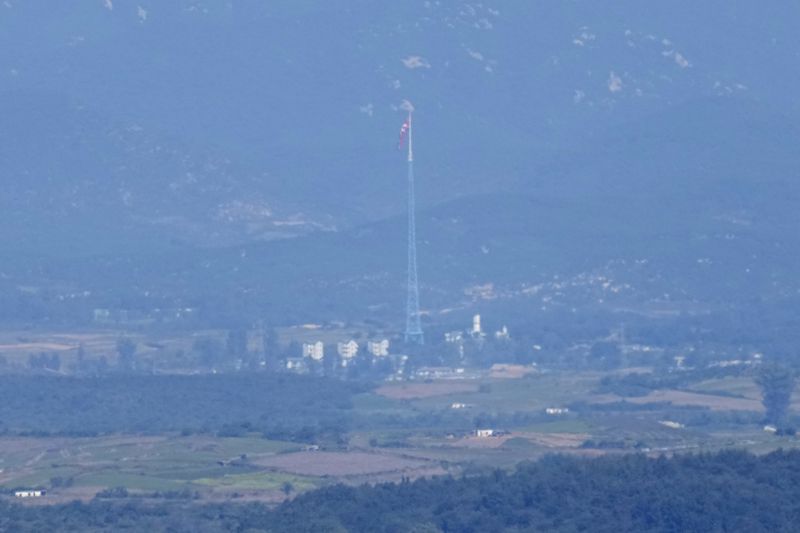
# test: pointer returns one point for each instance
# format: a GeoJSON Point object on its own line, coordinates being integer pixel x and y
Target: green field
{"type": "Point", "coordinates": [143, 463]}
{"type": "Point", "coordinates": [410, 425]}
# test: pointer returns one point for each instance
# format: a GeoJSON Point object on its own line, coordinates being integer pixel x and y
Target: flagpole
{"type": "Point", "coordinates": [413, 333]}
{"type": "Point", "coordinates": [410, 150]}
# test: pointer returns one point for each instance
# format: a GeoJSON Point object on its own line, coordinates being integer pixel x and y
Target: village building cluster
{"type": "Point", "coordinates": [30, 493]}
{"type": "Point", "coordinates": [347, 352]}
{"type": "Point", "coordinates": [476, 332]}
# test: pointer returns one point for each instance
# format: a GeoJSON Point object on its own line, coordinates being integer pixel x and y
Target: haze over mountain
{"type": "Point", "coordinates": [639, 152]}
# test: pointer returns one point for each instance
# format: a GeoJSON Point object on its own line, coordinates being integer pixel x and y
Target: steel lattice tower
{"type": "Point", "coordinates": [413, 327]}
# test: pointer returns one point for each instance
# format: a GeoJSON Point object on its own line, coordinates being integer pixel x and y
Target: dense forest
{"type": "Point", "coordinates": [727, 491]}
{"type": "Point", "coordinates": [283, 407]}
{"type": "Point", "coordinates": [276, 406]}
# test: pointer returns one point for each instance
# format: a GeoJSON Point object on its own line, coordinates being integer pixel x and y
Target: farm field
{"type": "Point", "coordinates": [17, 346]}
{"type": "Point", "coordinates": [714, 402]}
{"type": "Point", "coordinates": [344, 464]}
{"type": "Point", "coordinates": [396, 431]}
{"type": "Point", "coordinates": [530, 393]}
{"type": "Point", "coordinates": [414, 391]}
{"type": "Point", "coordinates": [77, 467]}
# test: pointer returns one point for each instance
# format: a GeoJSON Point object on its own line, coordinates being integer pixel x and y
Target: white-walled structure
{"type": "Point", "coordinates": [29, 493]}
{"type": "Point", "coordinates": [296, 364]}
{"type": "Point", "coordinates": [378, 348]}
{"type": "Point", "coordinates": [501, 334]}
{"type": "Point", "coordinates": [476, 326]}
{"type": "Point", "coordinates": [315, 351]}
{"type": "Point", "coordinates": [453, 337]}
{"type": "Point", "coordinates": [347, 351]}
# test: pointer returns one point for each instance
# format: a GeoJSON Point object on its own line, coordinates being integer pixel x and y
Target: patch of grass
{"type": "Point", "coordinates": [234, 446]}
{"type": "Point", "coordinates": [737, 387]}
{"type": "Point", "coordinates": [259, 481]}
{"type": "Point", "coordinates": [370, 403]}
{"type": "Point", "coordinates": [520, 443]}
{"type": "Point", "coordinates": [533, 393]}
{"type": "Point", "coordinates": [40, 478]}
{"type": "Point", "coordinates": [129, 480]}
{"type": "Point", "coordinates": [560, 426]}
{"type": "Point", "coordinates": [144, 463]}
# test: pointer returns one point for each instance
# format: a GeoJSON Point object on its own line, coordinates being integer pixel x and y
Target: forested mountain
{"type": "Point", "coordinates": [643, 145]}
{"type": "Point", "coordinates": [248, 108]}
{"type": "Point", "coordinates": [695, 221]}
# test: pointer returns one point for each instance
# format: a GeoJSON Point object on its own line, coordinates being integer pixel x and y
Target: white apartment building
{"type": "Point", "coordinates": [315, 351]}
{"type": "Point", "coordinates": [476, 326]}
{"type": "Point", "coordinates": [477, 331]}
{"type": "Point", "coordinates": [347, 351]}
{"type": "Point", "coordinates": [378, 348]}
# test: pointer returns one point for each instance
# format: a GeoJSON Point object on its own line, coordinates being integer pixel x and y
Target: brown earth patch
{"type": "Point", "coordinates": [506, 371]}
{"type": "Point", "coordinates": [340, 463]}
{"type": "Point", "coordinates": [676, 397]}
{"type": "Point", "coordinates": [482, 442]}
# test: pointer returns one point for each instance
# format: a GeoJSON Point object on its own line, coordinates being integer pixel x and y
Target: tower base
{"type": "Point", "coordinates": [414, 337]}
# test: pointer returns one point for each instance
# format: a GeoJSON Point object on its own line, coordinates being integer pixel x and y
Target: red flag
{"type": "Point", "coordinates": [403, 134]}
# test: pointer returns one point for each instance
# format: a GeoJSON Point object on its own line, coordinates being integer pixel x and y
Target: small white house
{"type": "Point", "coordinates": [102, 315]}
{"type": "Point", "coordinates": [501, 334]}
{"type": "Point", "coordinates": [453, 337]}
{"type": "Point", "coordinates": [296, 364]}
{"type": "Point", "coordinates": [484, 433]}
{"type": "Point", "coordinates": [30, 493]}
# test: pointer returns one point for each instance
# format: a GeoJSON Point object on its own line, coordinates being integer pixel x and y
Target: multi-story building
{"type": "Point", "coordinates": [378, 348]}
{"type": "Point", "coordinates": [477, 332]}
{"type": "Point", "coordinates": [347, 351]}
{"type": "Point", "coordinates": [476, 325]}
{"type": "Point", "coordinates": [315, 351]}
